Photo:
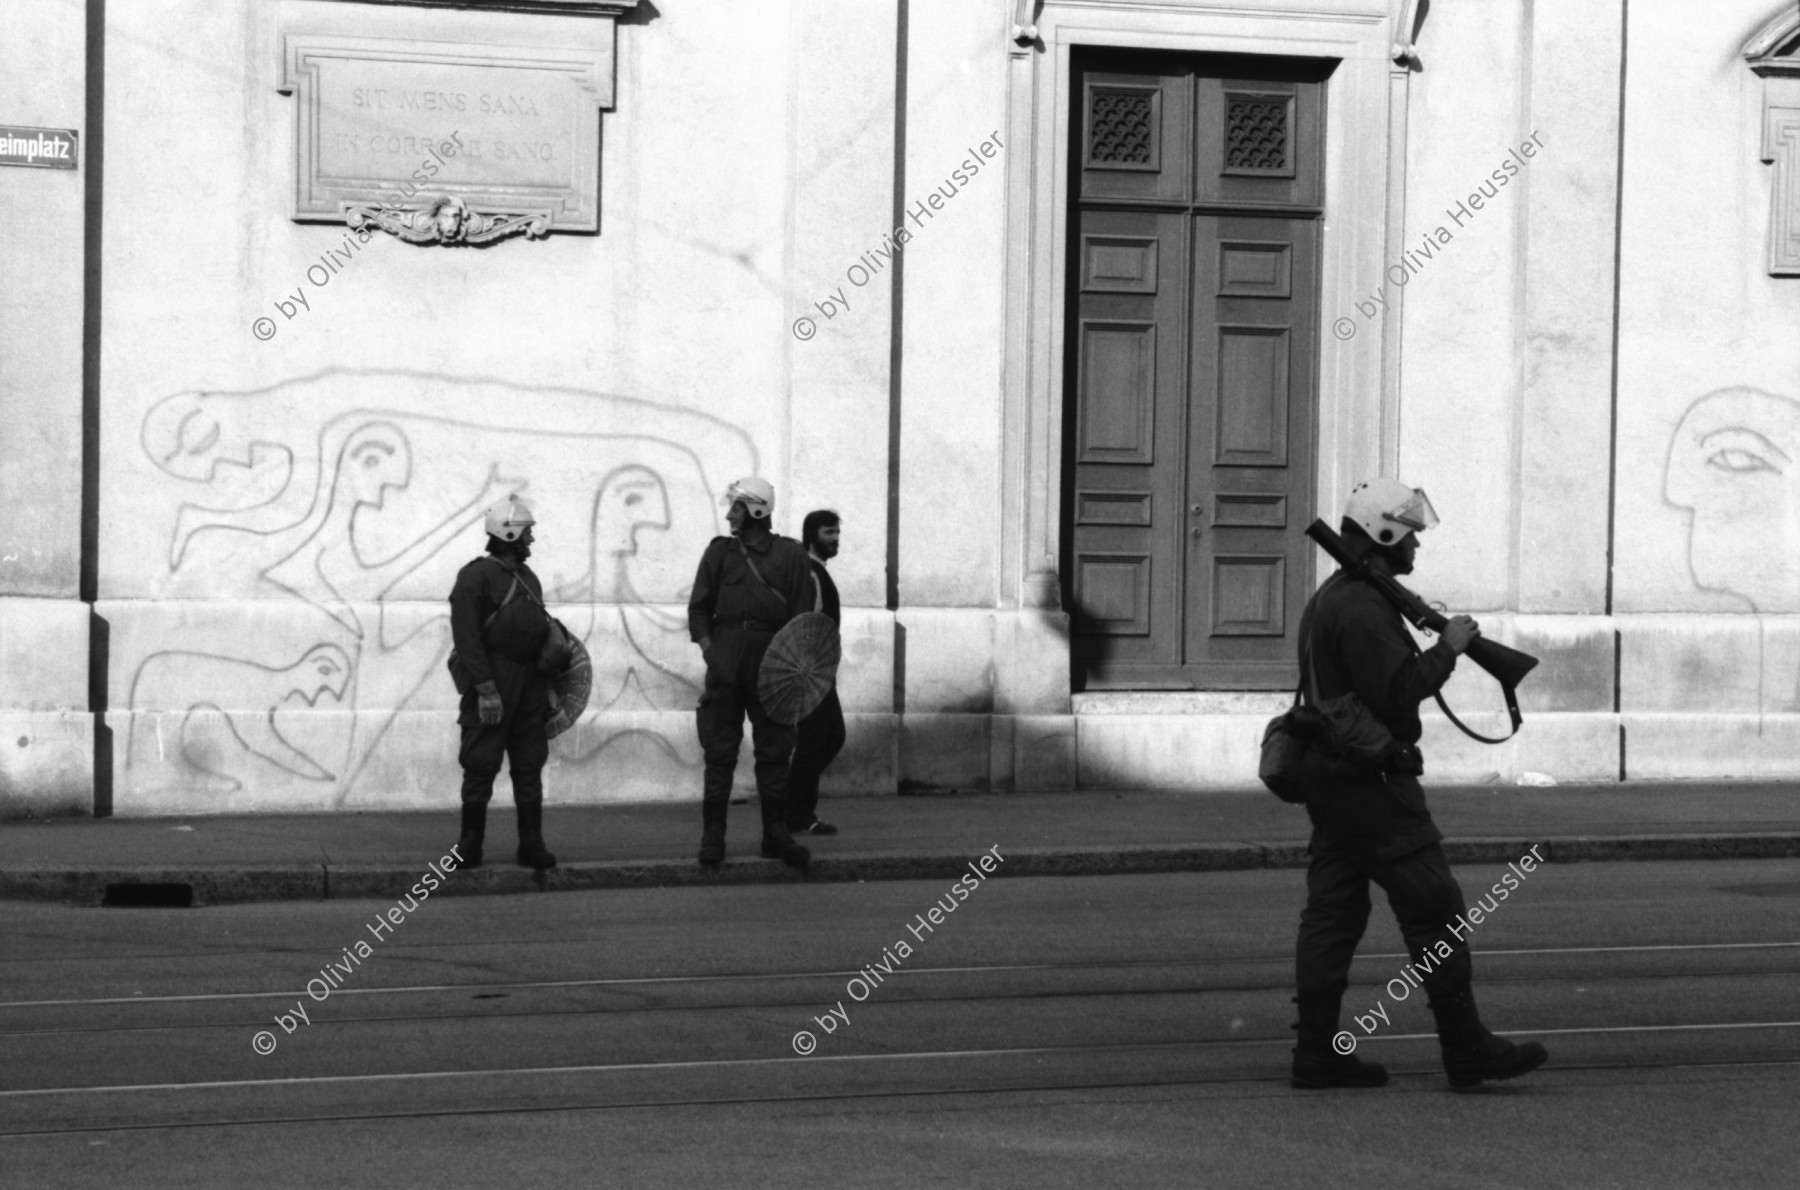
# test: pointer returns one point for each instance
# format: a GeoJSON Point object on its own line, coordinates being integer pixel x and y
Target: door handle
{"type": "Point", "coordinates": [1198, 509]}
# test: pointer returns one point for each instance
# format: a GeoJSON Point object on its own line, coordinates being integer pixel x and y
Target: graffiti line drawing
{"type": "Point", "coordinates": [627, 636]}
{"type": "Point", "coordinates": [1732, 468]}
{"type": "Point", "coordinates": [328, 569]}
{"type": "Point", "coordinates": [347, 492]}
{"type": "Point", "coordinates": [213, 740]}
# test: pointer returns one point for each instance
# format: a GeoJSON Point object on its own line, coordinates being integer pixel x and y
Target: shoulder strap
{"type": "Point", "coordinates": [1309, 670]}
{"type": "Point", "coordinates": [518, 584]}
{"type": "Point", "coordinates": [750, 562]}
{"type": "Point", "coordinates": [1512, 707]}
{"type": "Point", "coordinates": [511, 590]}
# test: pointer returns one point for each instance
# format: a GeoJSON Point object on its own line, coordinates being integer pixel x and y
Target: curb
{"type": "Point", "coordinates": [315, 882]}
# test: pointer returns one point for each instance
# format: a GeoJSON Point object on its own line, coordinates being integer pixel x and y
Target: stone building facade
{"type": "Point", "coordinates": [1077, 311]}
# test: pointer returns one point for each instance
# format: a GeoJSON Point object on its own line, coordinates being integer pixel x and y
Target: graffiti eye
{"type": "Point", "coordinates": [1740, 461]}
{"type": "Point", "coordinates": [632, 499]}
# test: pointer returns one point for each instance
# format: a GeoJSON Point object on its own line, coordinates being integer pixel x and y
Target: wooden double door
{"type": "Point", "coordinates": [1191, 367]}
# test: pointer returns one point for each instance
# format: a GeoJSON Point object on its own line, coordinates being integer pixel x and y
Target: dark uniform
{"type": "Point", "coordinates": [504, 652]}
{"type": "Point", "coordinates": [1373, 827]}
{"type": "Point", "coordinates": [820, 736]}
{"type": "Point", "coordinates": [741, 612]}
{"type": "Point", "coordinates": [1376, 827]}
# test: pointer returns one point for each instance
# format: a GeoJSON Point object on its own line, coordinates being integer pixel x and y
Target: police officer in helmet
{"type": "Point", "coordinates": [1374, 826]}
{"type": "Point", "coordinates": [749, 584]}
{"type": "Point", "coordinates": [499, 625]}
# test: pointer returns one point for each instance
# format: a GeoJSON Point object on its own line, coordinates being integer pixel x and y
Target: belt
{"type": "Point", "coordinates": [749, 625]}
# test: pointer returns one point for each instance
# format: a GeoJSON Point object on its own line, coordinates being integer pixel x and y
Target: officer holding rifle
{"type": "Point", "coordinates": [1374, 825]}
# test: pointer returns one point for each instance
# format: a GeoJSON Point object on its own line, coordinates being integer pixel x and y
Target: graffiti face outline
{"type": "Point", "coordinates": [375, 458]}
{"type": "Point", "coordinates": [1732, 466]}
{"type": "Point", "coordinates": [330, 666]}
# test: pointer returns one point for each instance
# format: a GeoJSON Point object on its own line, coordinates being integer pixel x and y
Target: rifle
{"type": "Point", "coordinates": [1509, 666]}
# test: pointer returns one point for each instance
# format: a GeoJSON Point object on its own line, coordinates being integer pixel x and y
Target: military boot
{"type": "Point", "coordinates": [474, 826]}
{"type": "Point", "coordinates": [712, 845]}
{"type": "Point", "coordinates": [1319, 1061]}
{"type": "Point", "coordinates": [778, 843]}
{"type": "Point", "coordinates": [532, 852]}
{"type": "Point", "coordinates": [712, 832]}
{"type": "Point", "coordinates": [778, 840]}
{"type": "Point", "coordinates": [1473, 1055]}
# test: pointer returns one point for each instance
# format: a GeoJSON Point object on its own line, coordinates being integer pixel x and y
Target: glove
{"type": "Point", "coordinates": [488, 704]}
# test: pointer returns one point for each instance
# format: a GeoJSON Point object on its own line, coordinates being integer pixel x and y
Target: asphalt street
{"type": "Point", "coordinates": [1127, 1031]}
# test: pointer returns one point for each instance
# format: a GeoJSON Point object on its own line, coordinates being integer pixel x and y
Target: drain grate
{"type": "Point", "coordinates": [149, 896]}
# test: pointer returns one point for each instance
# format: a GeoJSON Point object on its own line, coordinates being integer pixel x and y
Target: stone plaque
{"type": "Point", "coordinates": [447, 141]}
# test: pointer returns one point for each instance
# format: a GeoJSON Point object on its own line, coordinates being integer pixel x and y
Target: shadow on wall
{"type": "Point", "coordinates": [339, 493]}
{"type": "Point", "coordinates": [1732, 468]}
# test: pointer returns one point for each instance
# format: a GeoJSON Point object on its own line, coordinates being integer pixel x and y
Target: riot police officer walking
{"type": "Point", "coordinates": [1374, 825]}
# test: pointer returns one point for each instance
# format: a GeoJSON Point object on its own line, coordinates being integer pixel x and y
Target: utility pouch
{"type": "Point", "coordinates": [558, 651]}
{"type": "Point", "coordinates": [1352, 735]}
{"type": "Point", "coordinates": [1342, 729]}
{"type": "Point", "coordinates": [1283, 753]}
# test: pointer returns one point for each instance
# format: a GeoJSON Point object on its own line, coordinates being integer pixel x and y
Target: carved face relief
{"type": "Point", "coordinates": [448, 216]}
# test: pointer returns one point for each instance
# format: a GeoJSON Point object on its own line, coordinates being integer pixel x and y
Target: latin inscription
{"type": "Point", "coordinates": [443, 101]}
{"type": "Point", "coordinates": [389, 144]}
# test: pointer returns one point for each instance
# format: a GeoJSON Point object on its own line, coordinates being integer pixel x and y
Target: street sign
{"type": "Point", "coordinates": [39, 148]}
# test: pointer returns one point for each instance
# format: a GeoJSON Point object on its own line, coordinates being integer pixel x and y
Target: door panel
{"type": "Point", "coordinates": [1250, 419]}
{"type": "Point", "coordinates": [1118, 387]}
{"type": "Point", "coordinates": [1250, 410]}
{"type": "Point", "coordinates": [1136, 131]}
{"type": "Point", "coordinates": [1129, 434]}
{"type": "Point", "coordinates": [1191, 367]}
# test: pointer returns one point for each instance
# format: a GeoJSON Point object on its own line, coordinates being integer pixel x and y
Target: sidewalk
{"type": "Point", "coordinates": [291, 857]}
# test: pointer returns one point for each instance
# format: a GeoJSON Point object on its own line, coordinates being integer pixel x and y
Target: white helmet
{"type": "Point", "coordinates": [1388, 510]}
{"type": "Point", "coordinates": [758, 496]}
{"type": "Point", "coordinates": [509, 519]}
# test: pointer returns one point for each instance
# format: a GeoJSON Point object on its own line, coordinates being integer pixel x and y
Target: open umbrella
{"type": "Point", "coordinates": [800, 667]}
{"type": "Point", "coordinates": [569, 689]}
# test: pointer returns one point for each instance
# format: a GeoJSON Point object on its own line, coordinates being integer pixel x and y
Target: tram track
{"type": "Point", "coordinates": [1161, 988]}
{"type": "Point", "coordinates": [1271, 1074]}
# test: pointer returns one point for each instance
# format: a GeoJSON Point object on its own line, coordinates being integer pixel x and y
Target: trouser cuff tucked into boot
{"type": "Point", "coordinates": [532, 852]}
{"type": "Point", "coordinates": [1322, 1059]}
{"type": "Point", "coordinates": [712, 833]}
{"type": "Point", "coordinates": [778, 843]}
{"type": "Point", "coordinates": [1473, 1055]}
{"type": "Point", "coordinates": [474, 826]}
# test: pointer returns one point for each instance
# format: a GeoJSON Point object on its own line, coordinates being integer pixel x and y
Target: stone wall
{"type": "Point", "coordinates": [277, 519]}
